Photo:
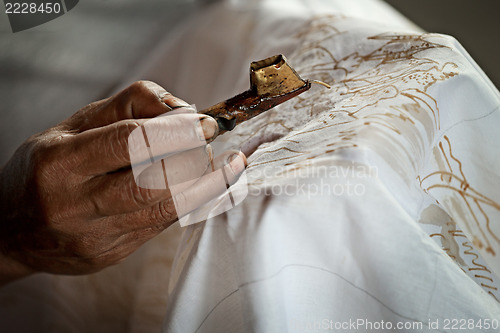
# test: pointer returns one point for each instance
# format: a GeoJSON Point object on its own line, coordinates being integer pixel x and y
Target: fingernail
{"type": "Point", "coordinates": [174, 102]}
{"type": "Point", "coordinates": [236, 163]}
{"type": "Point", "coordinates": [210, 152]}
{"type": "Point", "coordinates": [210, 156]}
{"type": "Point", "coordinates": [209, 127]}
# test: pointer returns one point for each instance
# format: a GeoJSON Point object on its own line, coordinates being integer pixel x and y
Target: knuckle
{"type": "Point", "coordinates": [123, 129]}
{"type": "Point", "coordinates": [139, 196]}
{"type": "Point", "coordinates": [138, 94]}
{"type": "Point", "coordinates": [91, 253]}
{"type": "Point", "coordinates": [40, 152]}
{"type": "Point", "coordinates": [44, 157]}
{"type": "Point", "coordinates": [129, 126]}
{"type": "Point", "coordinates": [125, 99]}
{"type": "Point", "coordinates": [165, 212]}
{"type": "Point", "coordinates": [95, 206]}
{"type": "Point", "coordinates": [138, 87]}
{"type": "Point", "coordinates": [85, 246]}
{"type": "Point", "coordinates": [141, 88]}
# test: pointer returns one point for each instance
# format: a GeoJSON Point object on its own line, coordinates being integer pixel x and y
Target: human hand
{"type": "Point", "coordinates": [69, 200]}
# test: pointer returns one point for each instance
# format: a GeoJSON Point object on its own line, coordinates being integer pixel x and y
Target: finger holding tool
{"type": "Point", "coordinates": [272, 82]}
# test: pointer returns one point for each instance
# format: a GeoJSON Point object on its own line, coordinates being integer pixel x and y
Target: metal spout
{"type": "Point", "coordinates": [272, 82]}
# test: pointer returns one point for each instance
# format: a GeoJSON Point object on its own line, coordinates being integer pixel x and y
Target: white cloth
{"type": "Point", "coordinates": [410, 122]}
{"type": "Point", "coordinates": [408, 119]}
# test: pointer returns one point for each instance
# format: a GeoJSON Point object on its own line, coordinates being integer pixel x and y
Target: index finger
{"type": "Point", "coordinates": [160, 214]}
{"type": "Point", "coordinates": [141, 100]}
{"type": "Point", "coordinates": [139, 142]}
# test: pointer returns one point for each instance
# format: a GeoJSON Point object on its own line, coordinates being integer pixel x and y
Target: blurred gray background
{"type": "Point", "coordinates": [474, 23]}
{"type": "Point", "coordinates": [49, 72]}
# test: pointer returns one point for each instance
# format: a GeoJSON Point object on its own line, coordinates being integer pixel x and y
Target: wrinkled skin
{"type": "Point", "coordinates": [69, 203]}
